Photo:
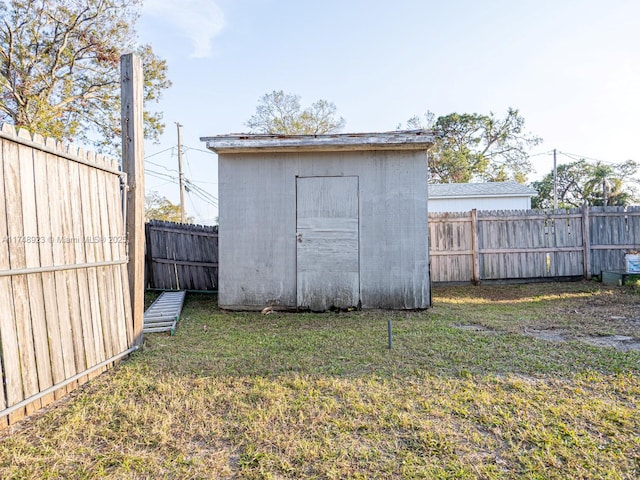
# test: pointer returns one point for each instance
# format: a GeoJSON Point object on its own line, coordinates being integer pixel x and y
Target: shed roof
{"type": "Point", "coordinates": [245, 142]}
{"type": "Point", "coordinates": [489, 189]}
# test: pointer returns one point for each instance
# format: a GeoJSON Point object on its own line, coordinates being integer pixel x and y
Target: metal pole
{"type": "Point", "coordinates": [60, 268]}
{"type": "Point", "coordinates": [390, 332]}
{"type": "Point", "coordinates": [57, 386]}
{"type": "Point", "coordinates": [181, 175]}
{"type": "Point", "coordinates": [555, 181]}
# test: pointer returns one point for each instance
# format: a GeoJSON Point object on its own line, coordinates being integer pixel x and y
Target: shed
{"type": "Point", "coordinates": [464, 197]}
{"type": "Point", "coordinates": [323, 221]}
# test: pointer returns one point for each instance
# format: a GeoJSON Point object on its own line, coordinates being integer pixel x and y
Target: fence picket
{"type": "Point", "coordinates": [10, 361]}
{"type": "Point", "coordinates": [113, 243]}
{"type": "Point", "coordinates": [37, 328]}
{"type": "Point", "coordinates": [86, 200]}
{"type": "Point", "coordinates": [80, 242]}
{"type": "Point", "coordinates": [42, 294]}
{"type": "Point", "coordinates": [69, 258]}
{"type": "Point", "coordinates": [104, 253]}
{"type": "Point", "coordinates": [42, 176]}
{"type": "Point", "coordinates": [17, 259]}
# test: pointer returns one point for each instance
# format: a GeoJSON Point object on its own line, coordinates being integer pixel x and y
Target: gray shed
{"type": "Point", "coordinates": [323, 221]}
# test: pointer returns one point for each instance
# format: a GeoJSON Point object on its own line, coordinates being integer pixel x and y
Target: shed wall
{"type": "Point", "coordinates": [258, 225]}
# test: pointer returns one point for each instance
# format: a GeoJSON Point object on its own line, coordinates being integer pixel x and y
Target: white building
{"type": "Point", "coordinates": [464, 197]}
{"type": "Point", "coordinates": [321, 221]}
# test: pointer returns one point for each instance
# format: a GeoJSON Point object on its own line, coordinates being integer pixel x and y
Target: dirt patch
{"type": "Point", "coordinates": [623, 343]}
{"type": "Point", "coordinates": [549, 335]}
{"type": "Point", "coordinates": [619, 342]}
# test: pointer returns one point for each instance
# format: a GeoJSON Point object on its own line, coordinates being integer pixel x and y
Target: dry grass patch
{"type": "Point", "coordinates": [320, 396]}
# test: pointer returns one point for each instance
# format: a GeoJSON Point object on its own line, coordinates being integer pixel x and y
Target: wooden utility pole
{"type": "Point", "coordinates": [133, 165]}
{"type": "Point", "coordinates": [181, 175]}
{"type": "Point", "coordinates": [555, 181]}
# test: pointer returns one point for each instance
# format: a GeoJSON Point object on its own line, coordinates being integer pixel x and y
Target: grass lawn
{"type": "Point", "coordinates": [492, 382]}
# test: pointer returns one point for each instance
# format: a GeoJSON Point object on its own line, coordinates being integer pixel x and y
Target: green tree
{"type": "Point", "coordinates": [581, 182]}
{"type": "Point", "coordinates": [477, 147]}
{"type": "Point", "coordinates": [60, 68]}
{"type": "Point", "coordinates": [280, 113]}
{"type": "Point", "coordinates": [157, 207]}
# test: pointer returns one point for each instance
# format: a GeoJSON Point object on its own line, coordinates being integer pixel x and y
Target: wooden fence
{"type": "Point", "coordinates": [527, 244]}
{"type": "Point", "coordinates": [181, 256]}
{"type": "Point", "coordinates": [464, 247]}
{"type": "Point", "coordinates": [65, 310]}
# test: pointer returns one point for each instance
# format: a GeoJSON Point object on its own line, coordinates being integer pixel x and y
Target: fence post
{"type": "Point", "coordinates": [148, 260]}
{"type": "Point", "coordinates": [133, 165]}
{"type": "Point", "coordinates": [586, 242]}
{"type": "Point", "coordinates": [475, 247]}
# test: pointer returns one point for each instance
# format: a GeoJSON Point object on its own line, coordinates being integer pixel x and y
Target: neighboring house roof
{"type": "Point", "coordinates": [489, 189]}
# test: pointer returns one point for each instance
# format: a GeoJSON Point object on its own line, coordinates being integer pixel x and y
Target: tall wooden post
{"type": "Point", "coordinates": [586, 242]}
{"type": "Point", "coordinates": [475, 247]}
{"type": "Point", "coordinates": [133, 165]}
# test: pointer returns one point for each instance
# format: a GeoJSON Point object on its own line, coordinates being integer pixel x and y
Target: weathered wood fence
{"type": "Point", "coordinates": [527, 244]}
{"type": "Point", "coordinates": [181, 256]}
{"type": "Point", "coordinates": [464, 247]}
{"type": "Point", "coordinates": [65, 311]}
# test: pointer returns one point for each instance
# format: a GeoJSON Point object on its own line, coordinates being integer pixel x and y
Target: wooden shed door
{"type": "Point", "coordinates": [328, 269]}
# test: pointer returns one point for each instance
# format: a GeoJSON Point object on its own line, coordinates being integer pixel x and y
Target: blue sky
{"type": "Point", "coordinates": [572, 68]}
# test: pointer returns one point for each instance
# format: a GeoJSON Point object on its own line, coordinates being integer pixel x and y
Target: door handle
{"type": "Point", "coordinates": [299, 237]}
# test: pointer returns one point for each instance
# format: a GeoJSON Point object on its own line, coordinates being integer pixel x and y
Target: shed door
{"type": "Point", "coordinates": [328, 271]}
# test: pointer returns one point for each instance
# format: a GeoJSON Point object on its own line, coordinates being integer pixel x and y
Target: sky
{"type": "Point", "coordinates": [571, 68]}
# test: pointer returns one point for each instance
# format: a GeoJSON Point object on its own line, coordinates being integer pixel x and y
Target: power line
{"type": "Point", "coordinates": [158, 153]}
{"type": "Point", "coordinates": [200, 150]}
{"type": "Point", "coordinates": [204, 198]}
{"type": "Point", "coordinates": [199, 192]}
{"type": "Point", "coordinates": [550, 152]}
{"type": "Point", "coordinates": [202, 194]}
{"type": "Point", "coordinates": [575, 156]}
{"type": "Point", "coordinates": [160, 175]}
{"type": "Point", "coordinates": [185, 148]}
{"type": "Point", "coordinates": [186, 159]}
{"type": "Point", "coordinates": [162, 166]}
{"type": "Point", "coordinates": [195, 209]}
{"type": "Point", "coordinates": [204, 183]}
{"type": "Point", "coordinates": [162, 185]}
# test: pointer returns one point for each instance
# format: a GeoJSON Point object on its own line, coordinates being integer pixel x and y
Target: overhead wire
{"type": "Point", "coordinates": [158, 153]}
{"type": "Point", "coordinates": [162, 185]}
{"type": "Point", "coordinates": [161, 175]}
{"type": "Point", "coordinates": [192, 188]}
{"type": "Point", "coordinates": [193, 205]}
{"type": "Point", "coordinates": [575, 156]}
{"type": "Point", "coordinates": [203, 194]}
{"type": "Point", "coordinates": [162, 166]}
{"type": "Point", "coordinates": [200, 150]}
{"type": "Point", "coordinates": [550, 152]}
